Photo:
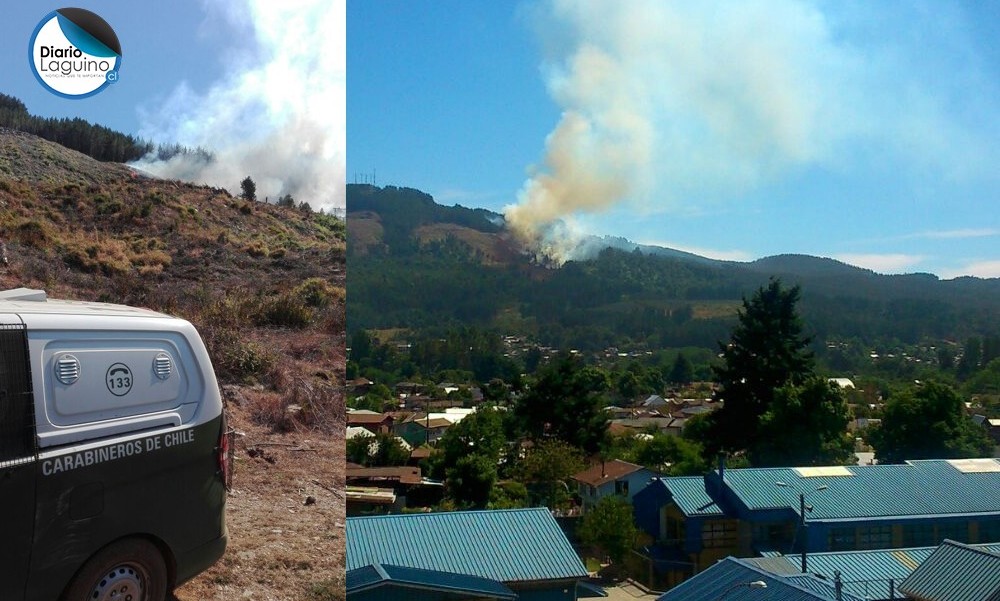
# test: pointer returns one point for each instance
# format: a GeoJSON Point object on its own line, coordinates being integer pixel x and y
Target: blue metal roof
{"type": "Point", "coordinates": [731, 578]}
{"type": "Point", "coordinates": [956, 572]}
{"type": "Point", "coordinates": [689, 494]}
{"type": "Point", "coordinates": [865, 574]}
{"type": "Point", "coordinates": [460, 585]}
{"type": "Point", "coordinates": [515, 545]}
{"type": "Point", "coordinates": [913, 489]}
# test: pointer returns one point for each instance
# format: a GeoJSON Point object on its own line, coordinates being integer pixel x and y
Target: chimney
{"type": "Point", "coordinates": [722, 467]}
{"type": "Point", "coordinates": [604, 472]}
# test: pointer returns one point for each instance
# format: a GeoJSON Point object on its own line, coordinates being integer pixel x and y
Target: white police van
{"type": "Point", "coordinates": [115, 456]}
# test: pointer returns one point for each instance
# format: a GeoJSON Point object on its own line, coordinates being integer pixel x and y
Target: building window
{"type": "Point", "coordinates": [875, 537]}
{"type": "Point", "coordinates": [776, 537]}
{"type": "Point", "coordinates": [958, 531]}
{"type": "Point", "coordinates": [989, 532]}
{"type": "Point", "coordinates": [918, 535]}
{"type": "Point", "coordinates": [717, 534]}
{"type": "Point", "coordinates": [621, 487]}
{"type": "Point", "coordinates": [842, 539]}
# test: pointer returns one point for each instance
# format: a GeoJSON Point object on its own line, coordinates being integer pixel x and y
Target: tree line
{"type": "Point", "coordinates": [96, 141]}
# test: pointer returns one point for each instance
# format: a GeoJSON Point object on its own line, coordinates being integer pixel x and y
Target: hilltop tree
{"type": "Point", "coordinates": [766, 351]}
{"type": "Point", "coordinates": [249, 189]}
{"type": "Point", "coordinates": [927, 422]}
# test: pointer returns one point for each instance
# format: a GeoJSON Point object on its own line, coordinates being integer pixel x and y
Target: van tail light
{"type": "Point", "coordinates": [226, 452]}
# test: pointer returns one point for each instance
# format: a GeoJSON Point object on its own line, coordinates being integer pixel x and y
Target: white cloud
{"type": "Point", "coordinates": [981, 269]}
{"type": "Point", "coordinates": [710, 253]}
{"type": "Point", "coordinates": [882, 263]}
{"type": "Point", "coordinates": [954, 234]}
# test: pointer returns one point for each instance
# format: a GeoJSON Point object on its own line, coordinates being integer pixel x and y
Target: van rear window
{"type": "Point", "coordinates": [17, 431]}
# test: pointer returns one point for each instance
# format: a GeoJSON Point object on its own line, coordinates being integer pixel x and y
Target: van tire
{"type": "Point", "coordinates": [133, 564]}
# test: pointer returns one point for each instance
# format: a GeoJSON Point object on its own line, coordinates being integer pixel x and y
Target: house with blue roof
{"type": "Point", "coordinates": [512, 554]}
{"type": "Point", "coordinates": [875, 574]}
{"type": "Point", "coordinates": [755, 511]}
{"type": "Point", "coordinates": [734, 579]}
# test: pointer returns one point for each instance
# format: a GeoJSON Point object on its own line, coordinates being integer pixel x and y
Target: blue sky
{"type": "Point", "coordinates": [259, 83]}
{"type": "Point", "coordinates": [867, 132]}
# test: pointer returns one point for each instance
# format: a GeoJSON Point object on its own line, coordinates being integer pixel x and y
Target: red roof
{"type": "Point", "coordinates": [607, 471]}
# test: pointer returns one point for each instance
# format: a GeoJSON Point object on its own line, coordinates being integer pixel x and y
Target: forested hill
{"type": "Point", "coordinates": [96, 141]}
{"type": "Point", "coordinates": [417, 264]}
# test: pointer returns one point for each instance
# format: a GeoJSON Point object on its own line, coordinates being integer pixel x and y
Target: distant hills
{"type": "Point", "coordinates": [416, 264]}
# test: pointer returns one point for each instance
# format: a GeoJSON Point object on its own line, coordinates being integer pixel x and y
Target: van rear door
{"type": "Point", "coordinates": [18, 462]}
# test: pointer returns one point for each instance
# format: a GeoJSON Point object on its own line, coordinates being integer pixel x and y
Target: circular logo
{"type": "Point", "coordinates": [74, 53]}
{"type": "Point", "coordinates": [119, 379]}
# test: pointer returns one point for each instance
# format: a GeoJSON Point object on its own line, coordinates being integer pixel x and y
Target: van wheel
{"type": "Point", "coordinates": [129, 570]}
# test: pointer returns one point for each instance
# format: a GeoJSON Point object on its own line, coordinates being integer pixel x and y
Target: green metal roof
{"type": "Point", "coordinates": [916, 488]}
{"type": "Point", "coordinates": [730, 578]}
{"type": "Point", "coordinates": [516, 545]}
{"type": "Point", "coordinates": [689, 494]}
{"type": "Point", "coordinates": [865, 574]}
{"type": "Point", "coordinates": [956, 572]}
{"type": "Point", "coordinates": [459, 585]}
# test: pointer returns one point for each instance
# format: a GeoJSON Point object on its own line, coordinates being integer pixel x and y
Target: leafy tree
{"type": "Point", "coordinates": [610, 527]}
{"type": "Point", "coordinates": [986, 381]}
{"type": "Point", "coordinates": [927, 422]}
{"type": "Point", "coordinates": [805, 425]}
{"type": "Point", "coordinates": [547, 466]}
{"type": "Point", "coordinates": [470, 480]}
{"type": "Point", "coordinates": [249, 189]}
{"type": "Point", "coordinates": [766, 350]}
{"type": "Point", "coordinates": [480, 433]}
{"type": "Point", "coordinates": [468, 456]}
{"type": "Point", "coordinates": [669, 454]}
{"type": "Point", "coordinates": [285, 201]}
{"type": "Point", "coordinates": [566, 402]}
{"type": "Point", "coordinates": [378, 450]}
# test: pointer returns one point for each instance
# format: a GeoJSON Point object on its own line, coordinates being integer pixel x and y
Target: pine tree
{"type": "Point", "coordinates": [249, 189]}
{"type": "Point", "coordinates": [766, 351]}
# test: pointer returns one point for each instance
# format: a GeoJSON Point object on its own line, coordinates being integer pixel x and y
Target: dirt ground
{"type": "Point", "coordinates": [285, 516]}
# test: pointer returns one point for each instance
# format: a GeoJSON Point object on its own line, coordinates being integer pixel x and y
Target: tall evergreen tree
{"type": "Point", "coordinates": [766, 350]}
{"type": "Point", "coordinates": [249, 189]}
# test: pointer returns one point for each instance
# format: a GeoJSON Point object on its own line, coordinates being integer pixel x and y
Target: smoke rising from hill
{"type": "Point", "coordinates": [682, 97]}
{"type": "Point", "coordinates": [279, 116]}
{"type": "Point", "coordinates": [668, 105]}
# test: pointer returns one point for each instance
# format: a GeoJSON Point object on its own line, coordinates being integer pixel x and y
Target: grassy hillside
{"type": "Point", "coordinates": [263, 284]}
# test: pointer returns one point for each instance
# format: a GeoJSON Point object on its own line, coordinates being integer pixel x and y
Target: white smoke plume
{"type": "Point", "coordinates": [279, 117]}
{"type": "Point", "coordinates": [676, 99]}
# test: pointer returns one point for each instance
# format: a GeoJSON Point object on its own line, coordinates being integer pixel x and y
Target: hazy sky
{"type": "Point", "coordinates": [863, 131]}
{"type": "Point", "coordinates": [259, 83]}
